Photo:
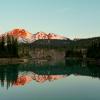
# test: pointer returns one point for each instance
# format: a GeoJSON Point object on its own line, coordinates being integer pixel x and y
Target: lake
{"type": "Point", "coordinates": [50, 80]}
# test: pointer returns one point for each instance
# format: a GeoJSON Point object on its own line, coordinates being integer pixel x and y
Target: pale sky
{"type": "Point", "coordinates": [71, 18]}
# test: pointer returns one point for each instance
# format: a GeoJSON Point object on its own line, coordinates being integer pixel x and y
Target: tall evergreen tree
{"type": "Point", "coordinates": [8, 46]}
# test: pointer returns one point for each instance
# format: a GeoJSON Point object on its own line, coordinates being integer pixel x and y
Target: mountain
{"type": "Point", "coordinates": [22, 35]}
{"type": "Point", "coordinates": [27, 37]}
{"type": "Point", "coordinates": [43, 35]}
{"type": "Point", "coordinates": [40, 35]}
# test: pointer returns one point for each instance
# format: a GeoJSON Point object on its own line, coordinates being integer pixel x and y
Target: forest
{"type": "Point", "coordinates": [8, 47]}
{"type": "Point", "coordinates": [88, 48]}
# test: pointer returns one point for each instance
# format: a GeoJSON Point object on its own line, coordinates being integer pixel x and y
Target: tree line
{"type": "Point", "coordinates": [8, 46]}
{"type": "Point", "coordinates": [93, 51]}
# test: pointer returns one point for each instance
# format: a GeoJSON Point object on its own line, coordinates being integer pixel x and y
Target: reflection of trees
{"type": "Point", "coordinates": [66, 68]}
{"type": "Point", "coordinates": [8, 75]}
{"type": "Point", "coordinates": [83, 68]}
{"type": "Point", "coordinates": [76, 67]}
{"type": "Point", "coordinates": [94, 70]}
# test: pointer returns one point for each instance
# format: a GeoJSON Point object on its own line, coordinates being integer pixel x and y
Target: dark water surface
{"type": "Point", "coordinates": [50, 80]}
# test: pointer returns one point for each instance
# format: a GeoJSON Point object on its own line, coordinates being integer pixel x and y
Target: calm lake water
{"type": "Point", "coordinates": [50, 80]}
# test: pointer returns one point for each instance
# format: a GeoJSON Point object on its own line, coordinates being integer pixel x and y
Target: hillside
{"type": "Point", "coordinates": [82, 43]}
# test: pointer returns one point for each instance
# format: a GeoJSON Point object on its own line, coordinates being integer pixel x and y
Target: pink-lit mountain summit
{"type": "Point", "coordinates": [24, 36]}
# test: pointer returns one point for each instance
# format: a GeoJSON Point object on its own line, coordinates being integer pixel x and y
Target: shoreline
{"type": "Point", "coordinates": [89, 60]}
{"type": "Point", "coordinates": [4, 61]}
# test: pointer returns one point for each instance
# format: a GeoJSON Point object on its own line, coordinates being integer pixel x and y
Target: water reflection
{"type": "Point", "coordinates": [24, 79]}
{"type": "Point", "coordinates": [8, 75]}
{"type": "Point", "coordinates": [19, 75]}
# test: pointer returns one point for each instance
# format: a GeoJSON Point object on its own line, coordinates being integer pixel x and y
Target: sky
{"type": "Point", "coordinates": [71, 18]}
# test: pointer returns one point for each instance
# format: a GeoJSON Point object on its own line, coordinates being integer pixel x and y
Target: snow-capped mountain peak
{"type": "Point", "coordinates": [43, 35]}
{"type": "Point", "coordinates": [24, 36]}
{"type": "Point", "coordinates": [40, 35]}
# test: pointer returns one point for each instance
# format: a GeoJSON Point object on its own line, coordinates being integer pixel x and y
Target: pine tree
{"type": "Point", "coordinates": [2, 46]}
{"type": "Point", "coordinates": [15, 47]}
{"type": "Point", "coordinates": [9, 48]}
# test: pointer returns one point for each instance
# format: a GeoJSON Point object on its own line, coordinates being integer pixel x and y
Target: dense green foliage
{"type": "Point", "coordinates": [74, 48]}
{"type": "Point", "coordinates": [94, 50]}
{"type": "Point", "coordinates": [73, 53]}
{"type": "Point", "coordinates": [8, 47]}
{"type": "Point", "coordinates": [89, 47]}
{"type": "Point", "coordinates": [53, 43]}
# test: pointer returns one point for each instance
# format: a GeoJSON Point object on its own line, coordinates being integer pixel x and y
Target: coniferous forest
{"type": "Point", "coordinates": [8, 47]}
{"type": "Point", "coordinates": [93, 51]}
{"type": "Point", "coordinates": [11, 48]}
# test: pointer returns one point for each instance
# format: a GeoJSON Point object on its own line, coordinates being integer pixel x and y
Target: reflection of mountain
{"type": "Point", "coordinates": [24, 79]}
{"type": "Point", "coordinates": [43, 78]}
{"type": "Point", "coordinates": [19, 75]}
